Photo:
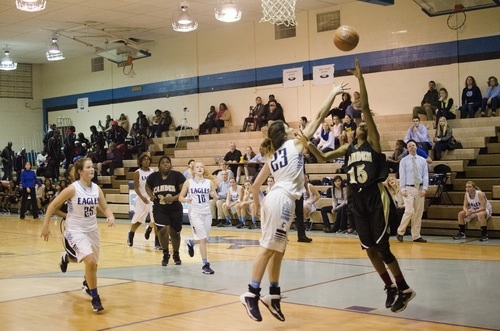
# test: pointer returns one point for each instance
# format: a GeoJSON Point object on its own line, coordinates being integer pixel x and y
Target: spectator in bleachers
{"type": "Point", "coordinates": [116, 134]}
{"type": "Point", "coordinates": [54, 156]}
{"type": "Point", "coordinates": [41, 163]}
{"type": "Point", "coordinates": [340, 111]}
{"type": "Point", "coordinates": [97, 154]}
{"type": "Point", "coordinates": [275, 113]}
{"type": "Point", "coordinates": [8, 159]}
{"type": "Point", "coordinates": [223, 117]}
{"type": "Point", "coordinates": [471, 98]}
{"type": "Point", "coordinates": [20, 161]}
{"type": "Point", "coordinates": [189, 173]}
{"type": "Point", "coordinates": [12, 196]}
{"type": "Point", "coordinates": [253, 115]}
{"type": "Point", "coordinates": [223, 167]}
{"type": "Point", "coordinates": [303, 123]}
{"type": "Point", "coordinates": [49, 192]}
{"type": "Point", "coordinates": [233, 158]}
{"type": "Point", "coordinates": [142, 123]}
{"type": "Point", "coordinates": [429, 103]}
{"type": "Point", "coordinates": [69, 146]}
{"type": "Point", "coordinates": [327, 139]}
{"type": "Point", "coordinates": [138, 143]}
{"type": "Point", "coordinates": [155, 122]}
{"type": "Point", "coordinates": [114, 159]}
{"type": "Point", "coordinates": [354, 109]}
{"type": "Point", "coordinates": [442, 138]}
{"type": "Point", "coordinates": [264, 118]}
{"type": "Point", "coordinates": [339, 206]}
{"type": "Point", "coordinates": [476, 205]}
{"type": "Point", "coordinates": [311, 196]}
{"type": "Point", "coordinates": [166, 122]}
{"type": "Point", "coordinates": [445, 108]}
{"type": "Point", "coordinates": [491, 97]}
{"type": "Point", "coordinates": [249, 169]}
{"type": "Point", "coordinates": [216, 205]}
{"type": "Point", "coordinates": [397, 155]}
{"type": "Point", "coordinates": [107, 124]}
{"type": "Point", "coordinates": [123, 122]}
{"type": "Point", "coordinates": [81, 138]}
{"type": "Point", "coordinates": [349, 128]}
{"type": "Point", "coordinates": [48, 135]}
{"type": "Point", "coordinates": [337, 130]}
{"type": "Point", "coordinates": [97, 137]}
{"type": "Point", "coordinates": [259, 159]}
{"type": "Point", "coordinates": [419, 134]}
{"type": "Point", "coordinates": [209, 123]}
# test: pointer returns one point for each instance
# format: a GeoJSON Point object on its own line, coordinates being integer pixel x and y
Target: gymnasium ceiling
{"type": "Point", "coordinates": [28, 35]}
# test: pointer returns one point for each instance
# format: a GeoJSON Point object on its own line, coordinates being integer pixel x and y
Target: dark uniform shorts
{"type": "Point", "coordinates": [371, 215]}
{"type": "Point", "coordinates": [172, 218]}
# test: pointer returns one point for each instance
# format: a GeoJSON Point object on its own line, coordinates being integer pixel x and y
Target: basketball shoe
{"type": "Point", "coordinates": [96, 304]}
{"type": "Point", "coordinates": [251, 302]}
{"type": "Point", "coordinates": [206, 269]}
{"type": "Point", "coordinates": [272, 302]}
{"type": "Point", "coordinates": [402, 301]}
{"type": "Point", "coordinates": [64, 261]}
{"type": "Point", "coordinates": [392, 292]}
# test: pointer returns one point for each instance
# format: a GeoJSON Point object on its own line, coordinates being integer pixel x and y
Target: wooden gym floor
{"type": "Point", "coordinates": [327, 285]}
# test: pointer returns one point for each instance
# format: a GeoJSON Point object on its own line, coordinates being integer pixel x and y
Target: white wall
{"type": "Point", "coordinates": [247, 45]}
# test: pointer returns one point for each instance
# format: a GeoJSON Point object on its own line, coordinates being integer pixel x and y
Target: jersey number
{"type": "Point", "coordinates": [201, 198]}
{"type": "Point", "coordinates": [357, 174]}
{"type": "Point", "coordinates": [280, 160]}
{"type": "Point", "coordinates": [89, 211]}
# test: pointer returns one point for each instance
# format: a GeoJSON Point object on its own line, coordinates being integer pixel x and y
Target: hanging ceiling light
{"type": "Point", "coordinates": [54, 52]}
{"type": "Point", "coordinates": [184, 23]}
{"type": "Point", "coordinates": [54, 47]}
{"type": "Point", "coordinates": [228, 11]}
{"type": "Point", "coordinates": [7, 63]}
{"type": "Point", "coordinates": [31, 5]}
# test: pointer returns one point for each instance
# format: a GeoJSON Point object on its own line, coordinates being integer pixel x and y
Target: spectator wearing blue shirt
{"type": "Point", "coordinates": [491, 97]}
{"type": "Point", "coordinates": [216, 205]}
{"type": "Point", "coordinates": [419, 134]}
{"type": "Point", "coordinates": [28, 182]}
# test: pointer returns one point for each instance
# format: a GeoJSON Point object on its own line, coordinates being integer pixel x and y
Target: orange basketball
{"type": "Point", "coordinates": [346, 38]}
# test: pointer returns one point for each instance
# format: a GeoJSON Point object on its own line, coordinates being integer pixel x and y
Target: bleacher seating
{"type": "Point", "coordinates": [479, 161]}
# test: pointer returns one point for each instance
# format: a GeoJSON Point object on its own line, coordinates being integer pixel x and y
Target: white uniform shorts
{"type": "Point", "coordinates": [83, 243]}
{"type": "Point", "coordinates": [276, 215]}
{"type": "Point", "coordinates": [313, 206]}
{"type": "Point", "coordinates": [141, 211]}
{"type": "Point", "coordinates": [200, 224]}
{"type": "Point", "coordinates": [473, 216]}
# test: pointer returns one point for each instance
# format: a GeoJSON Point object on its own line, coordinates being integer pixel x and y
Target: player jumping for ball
{"type": "Point", "coordinates": [366, 170]}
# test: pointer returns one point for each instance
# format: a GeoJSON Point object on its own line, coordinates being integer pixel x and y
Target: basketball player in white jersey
{"type": "Point", "coordinates": [142, 206]}
{"type": "Point", "coordinates": [84, 197]}
{"type": "Point", "coordinates": [285, 161]}
{"type": "Point", "coordinates": [197, 192]}
{"type": "Point", "coordinates": [476, 206]}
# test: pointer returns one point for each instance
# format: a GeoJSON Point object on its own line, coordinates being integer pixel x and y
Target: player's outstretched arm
{"type": "Point", "coordinates": [320, 156]}
{"type": "Point", "coordinates": [373, 134]}
{"type": "Point", "coordinates": [325, 108]}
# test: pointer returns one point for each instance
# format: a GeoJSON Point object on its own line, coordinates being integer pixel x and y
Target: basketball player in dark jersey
{"type": "Point", "coordinates": [366, 169]}
{"type": "Point", "coordinates": [163, 188]}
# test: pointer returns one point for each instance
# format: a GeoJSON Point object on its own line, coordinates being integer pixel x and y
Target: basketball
{"type": "Point", "coordinates": [346, 38]}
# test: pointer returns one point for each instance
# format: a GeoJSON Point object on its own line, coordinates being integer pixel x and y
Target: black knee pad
{"type": "Point", "coordinates": [385, 253]}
